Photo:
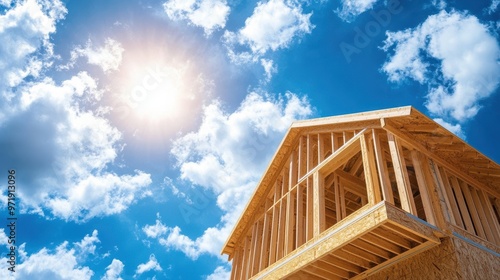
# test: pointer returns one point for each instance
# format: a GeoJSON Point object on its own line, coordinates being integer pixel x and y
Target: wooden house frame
{"type": "Point", "coordinates": [387, 194]}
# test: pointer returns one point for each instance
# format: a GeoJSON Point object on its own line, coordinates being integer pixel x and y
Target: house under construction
{"type": "Point", "coordinates": [386, 194]}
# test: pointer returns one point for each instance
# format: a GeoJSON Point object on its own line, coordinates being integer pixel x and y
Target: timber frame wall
{"type": "Point", "coordinates": [347, 196]}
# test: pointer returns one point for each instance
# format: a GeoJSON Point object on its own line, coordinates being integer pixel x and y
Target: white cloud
{"type": "Point", "coordinates": [440, 4]}
{"type": "Point", "coordinates": [87, 245]}
{"type": "Point", "coordinates": [61, 263]}
{"type": "Point", "coordinates": [107, 57]}
{"type": "Point", "coordinates": [5, 3]}
{"type": "Point", "coordinates": [352, 8]}
{"type": "Point", "coordinates": [220, 273]}
{"type": "Point", "coordinates": [24, 33]}
{"type": "Point", "coordinates": [273, 25]}
{"type": "Point", "coordinates": [47, 127]}
{"type": "Point", "coordinates": [208, 14]}
{"type": "Point", "coordinates": [66, 150]}
{"type": "Point", "coordinates": [152, 264]}
{"type": "Point", "coordinates": [493, 7]}
{"type": "Point", "coordinates": [114, 270]}
{"type": "Point", "coordinates": [209, 243]}
{"type": "Point", "coordinates": [231, 149]}
{"type": "Point", "coordinates": [455, 128]}
{"type": "Point", "coordinates": [467, 70]}
{"type": "Point", "coordinates": [155, 230]}
{"type": "Point", "coordinates": [269, 68]}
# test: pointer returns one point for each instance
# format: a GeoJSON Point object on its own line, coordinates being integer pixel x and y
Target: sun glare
{"type": "Point", "coordinates": [155, 92]}
{"type": "Point", "coordinates": [160, 103]}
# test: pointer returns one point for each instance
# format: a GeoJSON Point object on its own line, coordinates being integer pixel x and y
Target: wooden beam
{"type": "Point", "coordinates": [319, 204]}
{"type": "Point", "coordinates": [343, 212]}
{"type": "Point", "coordinates": [464, 211]}
{"type": "Point", "coordinates": [281, 230]}
{"type": "Point", "coordinates": [321, 148]}
{"type": "Point", "coordinates": [440, 213]}
{"type": "Point", "coordinates": [342, 155]}
{"type": "Point", "coordinates": [309, 210]}
{"type": "Point", "coordinates": [383, 173]}
{"type": "Point", "coordinates": [323, 274]}
{"type": "Point", "coordinates": [245, 263]}
{"type": "Point", "coordinates": [473, 209]}
{"type": "Point", "coordinates": [371, 179]}
{"type": "Point", "coordinates": [343, 264]}
{"type": "Point", "coordinates": [332, 268]}
{"type": "Point", "coordinates": [443, 188]}
{"type": "Point", "coordinates": [372, 249]}
{"type": "Point", "coordinates": [338, 203]}
{"type": "Point", "coordinates": [408, 234]}
{"type": "Point", "coordinates": [299, 218]}
{"type": "Point", "coordinates": [355, 259]}
{"type": "Point", "coordinates": [293, 169]}
{"type": "Point", "coordinates": [256, 236]}
{"type": "Point", "coordinates": [290, 222]}
{"type": "Point", "coordinates": [451, 198]}
{"type": "Point", "coordinates": [301, 162]}
{"type": "Point", "coordinates": [451, 167]}
{"type": "Point", "coordinates": [309, 153]}
{"type": "Point", "coordinates": [423, 187]}
{"type": "Point", "coordinates": [400, 171]}
{"type": "Point", "coordinates": [274, 235]}
{"type": "Point", "coordinates": [490, 216]}
{"type": "Point", "coordinates": [264, 253]}
{"type": "Point", "coordinates": [392, 237]}
{"type": "Point", "coordinates": [482, 215]}
{"type": "Point", "coordinates": [352, 183]}
{"type": "Point", "coordinates": [382, 244]}
{"type": "Point", "coordinates": [235, 266]}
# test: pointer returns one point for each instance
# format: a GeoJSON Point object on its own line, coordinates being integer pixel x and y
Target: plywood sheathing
{"type": "Point", "coordinates": [453, 259]}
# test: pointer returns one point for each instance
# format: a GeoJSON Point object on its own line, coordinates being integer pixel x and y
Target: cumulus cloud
{"type": "Point", "coordinates": [455, 128]}
{"type": "Point", "coordinates": [65, 151]}
{"type": "Point", "coordinates": [227, 150]}
{"type": "Point", "coordinates": [25, 31]}
{"type": "Point", "coordinates": [107, 57]}
{"type": "Point", "coordinates": [155, 230]}
{"type": "Point", "coordinates": [455, 55]}
{"type": "Point", "coordinates": [269, 68]}
{"type": "Point", "coordinates": [220, 273]}
{"type": "Point", "coordinates": [226, 156]}
{"type": "Point", "coordinates": [152, 264]}
{"type": "Point", "coordinates": [114, 270]}
{"type": "Point", "coordinates": [273, 25]}
{"type": "Point", "coordinates": [88, 244]}
{"type": "Point", "coordinates": [493, 6]}
{"type": "Point", "coordinates": [207, 14]}
{"type": "Point", "coordinates": [62, 263]}
{"type": "Point", "coordinates": [352, 8]}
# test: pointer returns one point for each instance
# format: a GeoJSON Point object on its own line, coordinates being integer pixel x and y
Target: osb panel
{"type": "Point", "coordinates": [439, 262]}
{"type": "Point", "coordinates": [453, 259]}
{"type": "Point", "coordinates": [475, 262]}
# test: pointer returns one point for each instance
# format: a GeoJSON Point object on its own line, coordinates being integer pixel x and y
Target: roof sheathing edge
{"type": "Point", "coordinates": [364, 116]}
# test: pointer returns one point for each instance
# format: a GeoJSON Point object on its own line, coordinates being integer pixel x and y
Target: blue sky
{"type": "Point", "coordinates": [139, 129]}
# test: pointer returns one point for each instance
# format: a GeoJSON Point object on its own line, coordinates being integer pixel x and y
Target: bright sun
{"type": "Point", "coordinates": [155, 93]}
{"type": "Point", "coordinates": [161, 102]}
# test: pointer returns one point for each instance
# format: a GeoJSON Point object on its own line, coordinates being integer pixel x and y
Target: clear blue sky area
{"type": "Point", "coordinates": [137, 130]}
